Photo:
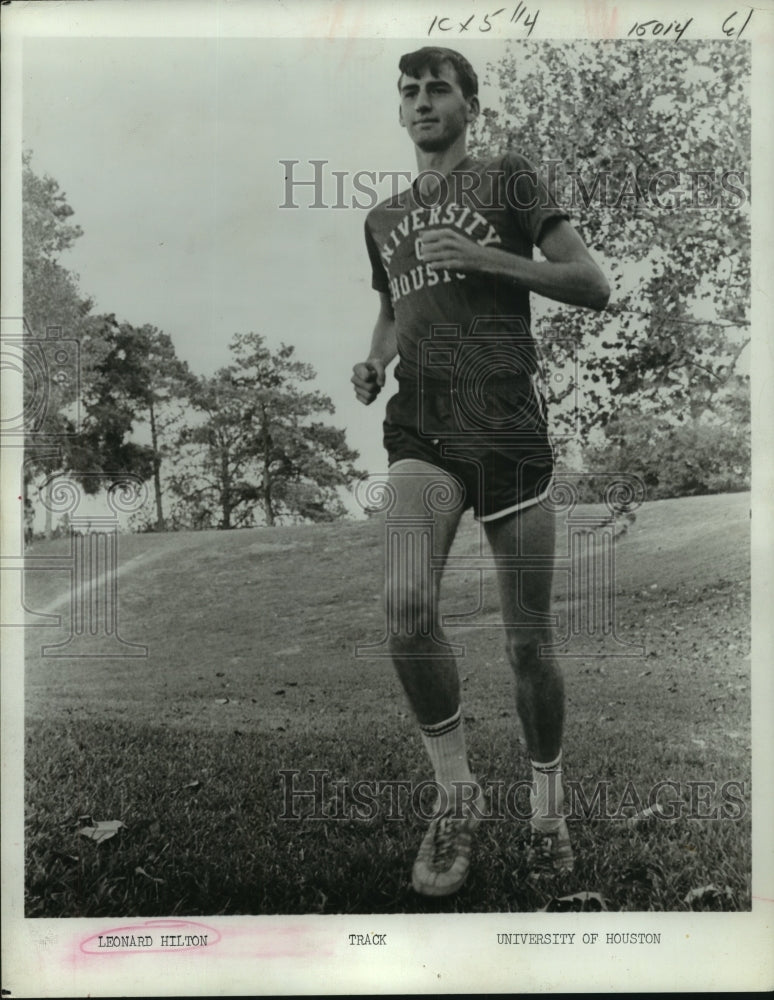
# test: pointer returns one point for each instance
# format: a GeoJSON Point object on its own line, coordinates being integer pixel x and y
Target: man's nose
{"type": "Point", "coordinates": [423, 101]}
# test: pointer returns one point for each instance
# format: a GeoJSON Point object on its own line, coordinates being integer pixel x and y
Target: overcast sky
{"type": "Point", "coordinates": [169, 153]}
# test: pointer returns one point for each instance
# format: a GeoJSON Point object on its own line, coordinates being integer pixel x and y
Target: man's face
{"type": "Point", "coordinates": [434, 110]}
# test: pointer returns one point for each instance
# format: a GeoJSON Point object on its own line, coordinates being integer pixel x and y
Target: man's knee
{"type": "Point", "coordinates": [523, 649]}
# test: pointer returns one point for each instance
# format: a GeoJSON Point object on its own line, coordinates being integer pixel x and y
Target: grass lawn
{"type": "Point", "coordinates": [250, 671]}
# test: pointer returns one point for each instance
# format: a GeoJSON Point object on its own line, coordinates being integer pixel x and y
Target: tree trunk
{"type": "Point", "coordinates": [267, 500]}
{"type": "Point", "coordinates": [267, 504]}
{"type": "Point", "coordinates": [225, 491]}
{"type": "Point", "coordinates": [49, 522]}
{"type": "Point", "coordinates": [156, 470]}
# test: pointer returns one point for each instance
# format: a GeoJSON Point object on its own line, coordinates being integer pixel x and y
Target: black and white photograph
{"type": "Point", "coordinates": [386, 522]}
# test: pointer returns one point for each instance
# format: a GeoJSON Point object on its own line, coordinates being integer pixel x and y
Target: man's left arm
{"type": "Point", "coordinates": [568, 274]}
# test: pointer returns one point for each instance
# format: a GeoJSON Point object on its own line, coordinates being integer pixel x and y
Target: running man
{"type": "Point", "coordinates": [455, 251]}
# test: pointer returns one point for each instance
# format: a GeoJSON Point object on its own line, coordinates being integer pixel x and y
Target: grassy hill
{"type": "Point", "coordinates": [250, 670]}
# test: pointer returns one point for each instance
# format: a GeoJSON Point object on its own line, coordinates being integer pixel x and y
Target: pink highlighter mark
{"type": "Point", "coordinates": [239, 938]}
{"type": "Point", "coordinates": [602, 22]}
{"type": "Point", "coordinates": [279, 941]}
{"type": "Point", "coordinates": [152, 936]}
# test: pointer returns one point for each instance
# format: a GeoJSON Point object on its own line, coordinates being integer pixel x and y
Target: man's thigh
{"type": "Point", "coordinates": [426, 497]}
{"type": "Point", "coordinates": [526, 540]}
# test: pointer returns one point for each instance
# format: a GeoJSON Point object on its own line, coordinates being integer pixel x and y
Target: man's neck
{"type": "Point", "coordinates": [443, 160]}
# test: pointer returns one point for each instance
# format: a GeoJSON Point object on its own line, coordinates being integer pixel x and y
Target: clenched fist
{"type": "Point", "coordinates": [368, 380]}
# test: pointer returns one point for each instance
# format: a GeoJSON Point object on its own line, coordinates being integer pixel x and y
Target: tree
{"type": "Point", "coordinates": [114, 375]}
{"type": "Point", "coordinates": [650, 146]}
{"type": "Point", "coordinates": [212, 473]}
{"type": "Point", "coordinates": [139, 377]}
{"type": "Point", "coordinates": [258, 444]}
{"type": "Point", "coordinates": [103, 450]}
{"type": "Point", "coordinates": [59, 326]}
{"type": "Point", "coordinates": [675, 460]}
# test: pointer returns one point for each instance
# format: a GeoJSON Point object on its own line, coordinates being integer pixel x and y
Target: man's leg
{"type": "Point", "coordinates": [525, 597]}
{"type": "Point", "coordinates": [427, 672]}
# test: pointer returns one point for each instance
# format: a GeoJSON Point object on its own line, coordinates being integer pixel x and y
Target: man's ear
{"type": "Point", "coordinates": [474, 109]}
{"type": "Point", "coordinates": [400, 115]}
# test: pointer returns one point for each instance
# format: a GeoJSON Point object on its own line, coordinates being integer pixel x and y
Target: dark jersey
{"type": "Point", "coordinates": [500, 203]}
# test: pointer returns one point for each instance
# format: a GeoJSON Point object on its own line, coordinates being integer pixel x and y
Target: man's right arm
{"type": "Point", "coordinates": [368, 376]}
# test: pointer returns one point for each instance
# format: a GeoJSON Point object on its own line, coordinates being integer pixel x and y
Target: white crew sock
{"type": "Point", "coordinates": [547, 795]}
{"type": "Point", "coordinates": [445, 745]}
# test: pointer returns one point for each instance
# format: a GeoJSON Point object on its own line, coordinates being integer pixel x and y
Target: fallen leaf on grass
{"type": "Point", "coordinates": [193, 785]}
{"type": "Point", "coordinates": [708, 897]}
{"type": "Point", "coordinates": [578, 902]}
{"type": "Point", "coordinates": [651, 812]}
{"type": "Point", "coordinates": [141, 871]}
{"type": "Point", "coordinates": [102, 830]}
{"type": "Point", "coordinates": [646, 873]}
{"type": "Point", "coordinates": [221, 701]}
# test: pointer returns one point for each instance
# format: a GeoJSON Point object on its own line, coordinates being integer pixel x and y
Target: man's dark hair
{"type": "Point", "coordinates": [432, 57]}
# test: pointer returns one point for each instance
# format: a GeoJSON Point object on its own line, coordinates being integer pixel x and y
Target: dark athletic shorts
{"type": "Point", "coordinates": [494, 442]}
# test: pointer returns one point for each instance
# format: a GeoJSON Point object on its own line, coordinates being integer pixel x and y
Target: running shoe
{"type": "Point", "coordinates": [550, 853]}
{"type": "Point", "coordinates": [443, 860]}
